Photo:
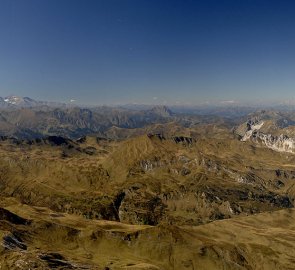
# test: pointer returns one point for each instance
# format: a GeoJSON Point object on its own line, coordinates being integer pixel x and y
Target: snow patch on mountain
{"type": "Point", "coordinates": [13, 100]}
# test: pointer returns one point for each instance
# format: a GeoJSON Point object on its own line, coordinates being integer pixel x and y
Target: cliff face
{"type": "Point", "coordinates": [281, 143]}
{"type": "Point", "coordinates": [274, 132]}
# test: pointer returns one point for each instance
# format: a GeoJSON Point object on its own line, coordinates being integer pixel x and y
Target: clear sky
{"type": "Point", "coordinates": [147, 51]}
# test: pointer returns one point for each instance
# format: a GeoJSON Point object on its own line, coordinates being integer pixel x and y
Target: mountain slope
{"type": "Point", "coordinates": [36, 237]}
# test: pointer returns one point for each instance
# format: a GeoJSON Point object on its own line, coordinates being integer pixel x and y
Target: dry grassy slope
{"type": "Point", "coordinates": [169, 129]}
{"type": "Point", "coordinates": [128, 153]}
{"type": "Point", "coordinates": [150, 180]}
{"type": "Point", "coordinates": [41, 175]}
{"type": "Point", "coordinates": [263, 241]}
{"type": "Point", "coordinates": [68, 191]}
{"type": "Point", "coordinates": [213, 165]}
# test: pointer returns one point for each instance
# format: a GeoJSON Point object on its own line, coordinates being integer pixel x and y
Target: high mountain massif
{"type": "Point", "coordinates": [121, 188]}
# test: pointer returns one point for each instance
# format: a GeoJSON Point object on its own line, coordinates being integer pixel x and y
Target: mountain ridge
{"type": "Point", "coordinates": [164, 189]}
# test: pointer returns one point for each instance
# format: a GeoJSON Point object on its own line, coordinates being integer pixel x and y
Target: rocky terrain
{"type": "Point", "coordinates": [274, 130]}
{"type": "Point", "coordinates": [150, 190]}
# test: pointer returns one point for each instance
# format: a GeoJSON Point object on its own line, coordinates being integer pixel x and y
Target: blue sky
{"type": "Point", "coordinates": [148, 51]}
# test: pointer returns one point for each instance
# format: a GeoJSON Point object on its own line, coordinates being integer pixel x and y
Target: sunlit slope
{"type": "Point", "coordinates": [148, 179]}
{"type": "Point", "coordinates": [44, 238]}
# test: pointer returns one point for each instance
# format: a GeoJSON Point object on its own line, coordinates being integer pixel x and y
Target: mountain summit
{"type": "Point", "coordinates": [162, 111]}
{"type": "Point", "coordinates": [13, 101]}
{"type": "Point", "coordinates": [20, 101]}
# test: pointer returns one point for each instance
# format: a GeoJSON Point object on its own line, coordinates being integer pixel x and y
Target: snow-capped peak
{"type": "Point", "coordinates": [15, 100]}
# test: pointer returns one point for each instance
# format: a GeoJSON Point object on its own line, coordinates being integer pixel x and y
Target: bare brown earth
{"type": "Point", "coordinates": [186, 198]}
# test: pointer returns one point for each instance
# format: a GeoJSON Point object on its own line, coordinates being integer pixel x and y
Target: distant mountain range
{"type": "Point", "coordinates": [24, 117]}
{"type": "Point", "coordinates": [225, 110]}
{"type": "Point", "coordinates": [27, 118]}
{"type": "Point", "coordinates": [25, 102]}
